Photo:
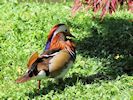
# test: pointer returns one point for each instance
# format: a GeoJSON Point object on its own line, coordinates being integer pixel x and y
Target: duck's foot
{"type": "Point", "coordinates": [38, 90]}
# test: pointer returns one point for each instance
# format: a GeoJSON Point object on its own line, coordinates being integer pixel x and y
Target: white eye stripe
{"type": "Point", "coordinates": [62, 28]}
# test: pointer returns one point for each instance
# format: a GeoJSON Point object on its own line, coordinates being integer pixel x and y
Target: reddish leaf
{"type": "Point", "coordinates": [105, 8]}
{"type": "Point", "coordinates": [76, 7]}
{"type": "Point", "coordinates": [130, 5]}
{"type": "Point", "coordinates": [113, 5]}
{"type": "Point", "coordinates": [89, 4]}
{"type": "Point", "coordinates": [104, 5]}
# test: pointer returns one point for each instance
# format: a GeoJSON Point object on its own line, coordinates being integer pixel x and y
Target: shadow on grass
{"type": "Point", "coordinates": [70, 81]}
{"type": "Point", "coordinates": [111, 39]}
{"type": "Point", "coordinates": [112, 36]}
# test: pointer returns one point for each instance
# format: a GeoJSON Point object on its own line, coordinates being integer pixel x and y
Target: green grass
{"type": "Point", "coordinates": [104, 53]}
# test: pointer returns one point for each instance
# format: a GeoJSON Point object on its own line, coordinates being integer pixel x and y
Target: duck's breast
{"type": "Point", "coordinates": [60, 63]}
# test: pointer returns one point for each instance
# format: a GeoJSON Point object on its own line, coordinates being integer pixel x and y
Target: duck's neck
{"type": "Point", "coordinates": [57, 42]}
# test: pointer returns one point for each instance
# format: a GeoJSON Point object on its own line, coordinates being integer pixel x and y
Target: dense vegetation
{"type": "Point", "coordinates": [102, 70]}
{"type": "Point", "coordinates": [104, 6]}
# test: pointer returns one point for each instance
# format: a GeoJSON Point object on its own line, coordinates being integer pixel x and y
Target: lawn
{"type": "Point", "coordinates": [104, 63]}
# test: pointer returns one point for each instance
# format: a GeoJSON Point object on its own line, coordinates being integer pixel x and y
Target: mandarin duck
{"type": "Point", "coordinates": [56, 58]}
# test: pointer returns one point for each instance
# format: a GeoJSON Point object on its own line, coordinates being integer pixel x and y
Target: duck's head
{"type": "Point", "coordinates": [60, 30]}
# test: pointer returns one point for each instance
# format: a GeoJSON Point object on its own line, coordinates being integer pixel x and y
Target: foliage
{"type": "Point", "coordinates": [104, 5]}
{"type": "Point", "coordinates": [101, 70]}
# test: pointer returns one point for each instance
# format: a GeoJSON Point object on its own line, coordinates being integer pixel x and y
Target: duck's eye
{"type": "Point", "coordinates": [66, 30]}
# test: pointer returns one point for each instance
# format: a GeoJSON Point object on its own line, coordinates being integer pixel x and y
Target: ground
{"type": "Point", "coordinates": [103, 67]}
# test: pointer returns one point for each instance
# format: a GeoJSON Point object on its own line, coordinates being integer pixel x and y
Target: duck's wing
{"type": "Point", "coordinates": [32, 59]}
{"type": "Point", "coordinates": [52, 65]}
{"type": "Point", "coordinates": [37, 65]}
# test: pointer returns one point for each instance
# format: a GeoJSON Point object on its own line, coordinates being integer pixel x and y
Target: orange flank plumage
{"type": "Point", "coordinates": [60, 43]}
{"type": "Point", "coordinates": [32, 59]}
